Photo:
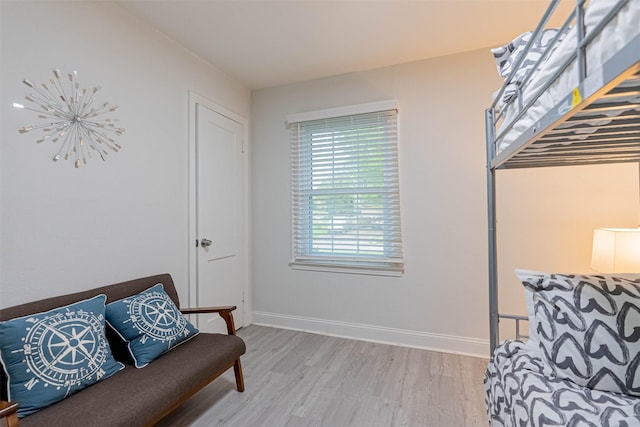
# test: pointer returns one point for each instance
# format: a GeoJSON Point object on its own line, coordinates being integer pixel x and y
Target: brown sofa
{"type": "Point", "coordinates": [135, 397]}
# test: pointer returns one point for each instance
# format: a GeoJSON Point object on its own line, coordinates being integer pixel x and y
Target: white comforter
{"type": "Point", "coordinates": [519, 392]}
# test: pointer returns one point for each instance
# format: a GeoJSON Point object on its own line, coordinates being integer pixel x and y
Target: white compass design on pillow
{"type": "Point", "coordinates": [65, 349]}
{"type": "Point", "coordinates": [156, 317]}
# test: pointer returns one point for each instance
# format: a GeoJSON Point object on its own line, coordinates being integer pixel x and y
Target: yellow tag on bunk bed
{"type": "Point", "coordinates": [577, 98]}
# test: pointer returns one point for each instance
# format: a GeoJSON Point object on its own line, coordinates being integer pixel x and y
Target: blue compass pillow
{"type": "Point", "coordinates": [150, 323]}
{"type": "Point", "coordinates": [51, 355]}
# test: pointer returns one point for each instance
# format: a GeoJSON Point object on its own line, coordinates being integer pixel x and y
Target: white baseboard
{"type": "Point", "coordinates": [380, 334]}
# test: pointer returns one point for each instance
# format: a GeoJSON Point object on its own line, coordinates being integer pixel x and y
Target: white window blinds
{"type": "Point", "coordinates": [346, 193]}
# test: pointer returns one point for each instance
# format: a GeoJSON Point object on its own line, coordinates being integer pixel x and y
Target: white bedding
{"type": "Point", "coordinates": [618, 32]}
{"type": "Point", "coordinates": [520, 391]}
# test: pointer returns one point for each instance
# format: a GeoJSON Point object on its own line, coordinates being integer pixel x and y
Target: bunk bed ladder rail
{"type": "Point", "coordinates": [492, 237]}
{"type": "Point", "coordinates": [494, 314]}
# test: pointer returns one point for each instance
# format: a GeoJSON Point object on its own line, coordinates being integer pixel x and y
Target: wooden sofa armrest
{"type": "Point", "coordinates": [223, 311]}
{"type": "Point", "coordinates": [8, 411]}
{"type": "Point", "coordinates": [204, 310]}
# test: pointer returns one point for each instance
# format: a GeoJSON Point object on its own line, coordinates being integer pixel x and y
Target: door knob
{"type": "Point", "coordinates": [205, 243]}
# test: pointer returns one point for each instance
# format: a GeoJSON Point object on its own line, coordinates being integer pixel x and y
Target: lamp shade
{"type": "Point", "coordinates": [616, 250]}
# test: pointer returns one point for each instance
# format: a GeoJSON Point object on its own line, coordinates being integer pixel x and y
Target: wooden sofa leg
{"type": "Point", "coordinates": [231, 330]}
{"type": "Point", "coordinates": [8, 412]}
{"type": "Point", "coordinates": [12, 421]}
{"type": "Point", "coordinates": [237, 369]}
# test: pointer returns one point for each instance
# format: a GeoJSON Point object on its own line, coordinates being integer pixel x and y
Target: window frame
{"type": "Point", "coordinates": [336, 263]}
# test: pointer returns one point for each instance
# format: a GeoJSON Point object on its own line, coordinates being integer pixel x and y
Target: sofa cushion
{"type": "Point", "coordinates": [588, 328]}
{"type": "Point", "coordinates": [113, 292]}
{"type": "Point", "coordinates": [136, 397]}
{"type": "Point", "coordinates": [51, 355]}
{"type": "Point", "coordinates": [150, 323]}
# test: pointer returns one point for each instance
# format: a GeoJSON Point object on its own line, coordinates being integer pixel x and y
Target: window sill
{"type": "Point", "coordinates": [334, 267]}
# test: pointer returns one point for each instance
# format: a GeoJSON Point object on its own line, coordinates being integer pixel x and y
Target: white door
{"type": "Point", "coordinates": [219, 216]}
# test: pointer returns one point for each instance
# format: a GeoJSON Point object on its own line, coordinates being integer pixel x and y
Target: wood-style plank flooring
{"type": "Point", "coordinates": [297, 379]}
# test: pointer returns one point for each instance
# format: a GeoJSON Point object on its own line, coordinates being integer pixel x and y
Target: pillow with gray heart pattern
{"type": "Point", "coordinates": [588, 328]}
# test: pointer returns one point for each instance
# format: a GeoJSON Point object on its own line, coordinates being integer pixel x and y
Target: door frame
{"type": "Point", "coordinates": [194, 101]}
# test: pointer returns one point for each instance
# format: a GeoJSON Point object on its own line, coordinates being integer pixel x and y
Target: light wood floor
{"type": "Point", "coordinates": [297, 379]}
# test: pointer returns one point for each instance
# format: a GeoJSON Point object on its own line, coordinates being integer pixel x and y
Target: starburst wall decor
{"type": "Point", "coordinates": [72, 118]}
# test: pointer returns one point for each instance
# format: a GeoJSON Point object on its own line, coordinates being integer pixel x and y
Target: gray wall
{"type": "Point", "coordinates": [546, 216]}
{"type": "Point", "coordinates": [64, 229]}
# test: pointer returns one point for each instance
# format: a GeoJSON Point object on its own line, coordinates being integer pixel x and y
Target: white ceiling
{"type": "Point", "coordinates": [265, 43]}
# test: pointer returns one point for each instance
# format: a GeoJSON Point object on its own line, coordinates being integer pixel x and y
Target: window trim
{"type": "Point", "coordinates": [335, 267]}
{"type": "Point", "coordinates": [350, 110]}
{"type": "Point", "coordinates": [340, 266]}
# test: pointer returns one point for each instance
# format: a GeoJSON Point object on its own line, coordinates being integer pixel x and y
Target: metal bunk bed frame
{"type": "Point", "coordinates": [549, 143]}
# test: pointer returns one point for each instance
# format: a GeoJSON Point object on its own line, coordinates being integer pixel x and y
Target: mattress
{"type": "Point", "coordinates": [519, 391]}
{"type": "Point", "coordinates": [616, 34]}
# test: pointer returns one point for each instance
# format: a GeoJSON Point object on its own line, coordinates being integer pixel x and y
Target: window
{"type": "Point", "coordinates": [346, 190]}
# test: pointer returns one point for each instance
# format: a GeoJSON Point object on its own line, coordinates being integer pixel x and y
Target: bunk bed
{"type": "Point", "coordinates": [571, 96]}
